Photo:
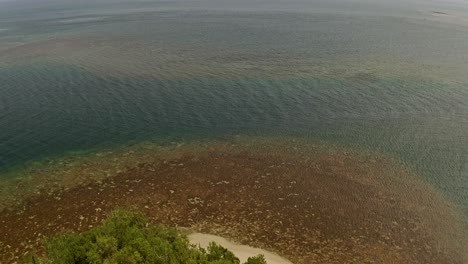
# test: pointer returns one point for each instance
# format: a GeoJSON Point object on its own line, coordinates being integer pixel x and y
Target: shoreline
{"type": "Point", "coordinates": [314, 205]}
{"type": "Point", "coordinates": [243, 252]}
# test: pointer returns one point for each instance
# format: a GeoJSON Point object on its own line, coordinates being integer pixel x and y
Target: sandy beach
{"type": "Point", "coordinates": [241, 251]}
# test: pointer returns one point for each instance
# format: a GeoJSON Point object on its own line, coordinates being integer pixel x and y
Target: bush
{"type": "Point", "coordinates": [127, 237]}
{"type": "Point", "coordinates": [260, 259]}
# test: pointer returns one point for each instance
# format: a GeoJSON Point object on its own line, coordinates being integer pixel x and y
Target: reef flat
{"type": "Point", "coordinates": [312, 203]}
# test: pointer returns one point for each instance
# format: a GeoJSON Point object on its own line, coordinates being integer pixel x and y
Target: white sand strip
{"type": "Point", "coordinates": [241, 251]}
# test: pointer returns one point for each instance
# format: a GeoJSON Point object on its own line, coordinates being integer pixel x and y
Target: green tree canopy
{"type": "Point", "coordinates": [127, 237]}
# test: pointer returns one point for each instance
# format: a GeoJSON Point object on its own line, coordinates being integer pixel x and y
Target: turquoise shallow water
{"type": "Point", "coordinates": [81, 77]}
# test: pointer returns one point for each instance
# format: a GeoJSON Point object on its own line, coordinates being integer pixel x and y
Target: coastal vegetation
{"type": "Point", "coordinates": [127, 237]}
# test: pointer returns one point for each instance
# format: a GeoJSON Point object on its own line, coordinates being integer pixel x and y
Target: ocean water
{"type": "Point", "coordinates": [384, 77]}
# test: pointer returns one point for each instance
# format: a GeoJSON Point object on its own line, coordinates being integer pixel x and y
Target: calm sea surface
{"type": "Point", "coordinates": [391, 78]}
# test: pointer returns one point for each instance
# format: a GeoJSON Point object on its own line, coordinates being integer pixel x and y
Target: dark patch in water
{"type": "Point", "coordinates": [311, 204]}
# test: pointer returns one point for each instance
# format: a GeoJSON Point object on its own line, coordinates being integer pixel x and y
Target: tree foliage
{"type": "Point", "coordinates": [127, 237]}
